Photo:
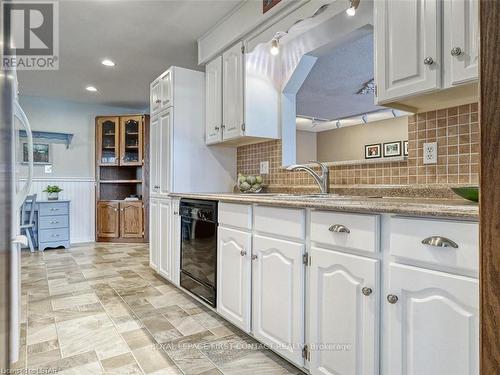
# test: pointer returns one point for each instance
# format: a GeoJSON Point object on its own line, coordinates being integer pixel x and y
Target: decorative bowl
{"type": "Point", "coordinates": [250, 184]}
{"type": "Point", "coordinates": [470, 193]}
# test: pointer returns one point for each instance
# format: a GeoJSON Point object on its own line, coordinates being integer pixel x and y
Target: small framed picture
{"type": "Point", "coordinates": [373, 151]}
{"type": "Point", "coordinates": [268, 4]}
{"type": "Point", "coordinates": [392, 149]}
{"type": "Point", "coordinates": [405, 148]}
{"type": "Point", "coordinates": [41, 153]}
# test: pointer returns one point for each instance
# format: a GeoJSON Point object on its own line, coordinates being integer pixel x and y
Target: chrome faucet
{"type": "Point", "coordinates": [322, 180]}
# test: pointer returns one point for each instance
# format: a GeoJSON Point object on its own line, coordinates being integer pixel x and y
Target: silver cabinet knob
{"type": "Point", "coordinates": [339, 228]}
{"type": "Point", "coordinates": [116, 209]}
{"type": "Point", "coordinates": [254, 257]}
{"type": "Point", "coordinates": [457, 51]}
{"type": "Point", "coordinates": [217, 128]}
{"type": "Point", "coordinates": [428, 61]}
{"type": "Point", "coordinates": [243, 253]}
{"type": "Point", "coordinates": [158, 101]}
{"type": "Point", "coordinates": [438, 241]}
{"type": "Point", "coordinates": [391, 298]}
{"type": "Point", "coordinates": [366, 291]}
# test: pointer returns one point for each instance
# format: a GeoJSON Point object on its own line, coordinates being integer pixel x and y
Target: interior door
{"type": "Point", "coordinates": [131, 219]}
{"type": "Point", "coordinates": [432, 322]}
{"type": "Point", "coordinates": [344, 312]}
{"type": "Point", "coordinates": [234, 269]}
{"type": "Point", "coordinates": [154, 227]}
{"type": "Point", "coordinates": [165, 254]}
{"type": "Point", "coordinates": [108, 222]}
{"type": "Point", "coordinates": [232, 92]}
{"type": "Point", "coordinates": [278, 295]}
{"type": "Point", "coordinates": [131, 141]}
{"type": "Point", "coordinates": [108, 140]}
{"type": "Point", "coordinates": [164, 149]}
{"type": "Point", "coordinates": [213, 100]}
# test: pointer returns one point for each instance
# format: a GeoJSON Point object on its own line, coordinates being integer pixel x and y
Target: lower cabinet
{"type": "Point", "coordinates": [120, 219]}
{"type": "Point", "coordinates": [131, 223]}
{"type": "Point", "coordinates": [343, 313]}
{"type": "Point", "coordinates": [164, 248]}
{"type": "Point", "coordinates": [432, 320]}
{"type": "Point", "coordinates": [234, 270]}
{"type": "Point", "coordinates": [278, 286]}
{"type": "Point", "coordinates": [108, 219]}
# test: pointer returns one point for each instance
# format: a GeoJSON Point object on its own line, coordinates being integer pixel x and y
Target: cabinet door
{"type": "Point", "coordinates": [407, 37]}
{"type": "Point", "coordinates": [108, 219]}
{"type": "Point", "coordinates": [165, 255]}
{"type": "Point", "coordinates": [234, 276]}
{"type": "Point", "coordinates": [154, 96]}
{"type": "Point", "coordinates": [164, 148]}
{"type": "Point", "coordinates": [154, 133]}
{"type": "Point", "coordinates": [232, 92]}
{"type": "Point", "coordinates": [343, 313]}
{"type": "Point", "coordinates": [108, 140]}
{"type": "Point", "coordinates": [461, 41]}
{"type": "Point", "coordinates": [131, 220]}
{"type": "Point", "coordinates": [433, 327]}
{"type": "Point", "coordinates": [131, 142]}
{"type": "Point", "coordinates": [278, 296]}
{"type": "Point", "coordinates": [154, 227]}
{"type": "Point", "coordinates": [213, 100]}
{"type": "Point", "coordinates": [166, 89]}
{"type": "Point", "coordinates": [175, 240]}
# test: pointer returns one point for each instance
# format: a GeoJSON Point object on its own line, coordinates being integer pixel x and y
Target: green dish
{"type": "Point", "coordinates": [470, 193]}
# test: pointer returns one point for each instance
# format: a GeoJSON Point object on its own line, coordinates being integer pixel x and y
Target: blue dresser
{"type": "Point", "coordinates": [52, 224]}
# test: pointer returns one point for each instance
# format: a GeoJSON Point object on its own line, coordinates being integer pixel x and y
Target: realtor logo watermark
{"type": "Point", "coordinates": [30, 35]}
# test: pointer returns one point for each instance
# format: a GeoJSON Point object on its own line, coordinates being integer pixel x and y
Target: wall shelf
{"type": "Point", "coordinates": [52, 137]}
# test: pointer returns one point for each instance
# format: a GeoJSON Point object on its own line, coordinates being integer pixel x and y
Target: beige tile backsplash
{"type": "Point", "coordinates": [455, 129]}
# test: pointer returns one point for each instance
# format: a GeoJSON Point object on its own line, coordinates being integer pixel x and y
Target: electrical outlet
{"type": "Point", "coordinates": [430, 153]}
{"type": "Point", "coordinates": [264, 167]}
{"type": "Point", "coordinates": [48, 169]}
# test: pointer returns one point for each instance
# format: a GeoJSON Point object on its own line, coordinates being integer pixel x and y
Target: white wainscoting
{"type": "Point", "coordinates": [81, 192]}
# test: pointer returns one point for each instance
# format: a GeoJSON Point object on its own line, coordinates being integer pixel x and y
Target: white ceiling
{"type": "Point", "coordinates": [142, 37]}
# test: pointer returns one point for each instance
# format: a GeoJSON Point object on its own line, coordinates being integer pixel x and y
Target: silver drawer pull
{"type": "Point", "coordinates": [339, 228]}
{"type": "Point", "coordinates": [439, 241]}
{"type": "Point", "coordinates": [366, 291]}
{"type": "Point", "coordinates": [54, 235]}
{"type": "Point", "coordinates": [54, 209]}
{"type": "Point", "coordinates": [391, 298]}
{"type": "Point", "coordinates": [54, 222]}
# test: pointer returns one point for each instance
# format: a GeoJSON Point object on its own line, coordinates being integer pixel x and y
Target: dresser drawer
{"type": "Point", "coordinates": [236, 215]}
{"type": "Point", "coordinates": [350, 231]}
{"type": "Point", "coordinates": [407, 235]}
{"type": "Point", "coordinates": [50, 209]}
{"type": "Point", "coordinates": [49, 222]}
{"type": "Point", "coordinates": [286, 222]}
{"type": "Point", "coordinates": [51, 235]}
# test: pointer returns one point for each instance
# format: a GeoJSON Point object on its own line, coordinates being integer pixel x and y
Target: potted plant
{"type": "Point", "coordinates": [52, 192]}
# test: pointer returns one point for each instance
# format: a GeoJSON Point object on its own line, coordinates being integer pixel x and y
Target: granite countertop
{"type": "Point", "coordinates": [445, 208]}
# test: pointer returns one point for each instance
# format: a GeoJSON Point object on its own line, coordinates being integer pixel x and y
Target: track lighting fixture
{"type": "Point", "coordinates": [275, 47]}
{"type": "Point", "coordinates": [351, 11]}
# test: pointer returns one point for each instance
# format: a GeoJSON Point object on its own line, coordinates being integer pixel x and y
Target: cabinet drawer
{"type": "Point", "coordinates": [350, 231]}
{"type": "Point", "coordinates": [407, 235]}
{"type": "Point", "coordinates": [49, 209]}
{"type": "Point", "coordinates": [49, 235]}
{"type": "Point", "coordinates": [236, 215]}
{"type": "Point", "coordinates": [49, 222]}
{"type": "Point", "coordinates": [287, 222]}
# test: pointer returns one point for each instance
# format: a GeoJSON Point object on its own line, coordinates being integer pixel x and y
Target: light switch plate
{"type": "Point", "coordinates": [48, 169]}
{"type": "Point", "coordinates": [264, 167]}
{"type": "Point", "coordinates": [430, 153]}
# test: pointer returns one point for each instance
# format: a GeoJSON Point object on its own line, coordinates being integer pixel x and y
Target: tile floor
{"type": "Point", "coordinates": [99, 308]}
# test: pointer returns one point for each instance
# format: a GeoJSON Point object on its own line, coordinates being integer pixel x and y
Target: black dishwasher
{"type": "Point", "coordinates": [199, 248]}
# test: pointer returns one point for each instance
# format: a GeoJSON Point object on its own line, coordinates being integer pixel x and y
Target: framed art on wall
{"type": "Point", "coordinates": [373, 151]}
{"type": "Point", "coordinates": [268, 4]}
{"type": "Point", "coordinates": [41, 153]}
{"type": "Point", "coordinates": [392, 149]}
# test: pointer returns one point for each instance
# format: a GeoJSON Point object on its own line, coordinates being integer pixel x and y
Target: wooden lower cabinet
{"type": "Point", "coordinates": [131, 225]}
{"type": "Point", "coordinates": [120, 220]}
{"type": "Point", "coordinates": [108, 219]}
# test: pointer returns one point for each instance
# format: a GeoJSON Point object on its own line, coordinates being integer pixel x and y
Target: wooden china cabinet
{"type": "Point", "coordinates": [122, 178]}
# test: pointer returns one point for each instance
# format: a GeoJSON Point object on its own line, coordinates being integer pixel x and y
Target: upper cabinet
{"type": "Point", "coordinates": [421, 47]}
{"type": "Point", "coordinates": [131, 140]}
{"type": "Point", "coordinates": [213, 100]}
{"type": "Point", "coordinates": [108, 140]}
{"type": "Point", "coordinates": [232, 92]}
{"type": "Point", "coordinates": [160, 92]}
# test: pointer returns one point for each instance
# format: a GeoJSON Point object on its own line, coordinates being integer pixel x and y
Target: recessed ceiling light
{"type": "Point", "coordinates": [91, 88]}
{"type": "Point", "coordinates": [108, 62]}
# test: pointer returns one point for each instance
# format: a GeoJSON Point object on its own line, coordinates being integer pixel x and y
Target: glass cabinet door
{"type": "Point", "coordinates": [131, 140]}
{"type": "Point", "coordinates": [108, 140]}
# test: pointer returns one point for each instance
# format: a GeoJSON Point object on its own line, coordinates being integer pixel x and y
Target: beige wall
{"type": "Point", "coordinates": [349, 143]}
{"type": "Point", "coordinates": [306, 146]}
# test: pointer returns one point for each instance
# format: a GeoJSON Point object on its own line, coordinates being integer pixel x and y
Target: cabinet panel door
{"type": "Point", "coordinates": [434, 325]}
{"type": "Point", "coordinates": [406, 34]}
{"type": "Point", "coordinates": [154, 218]}
{"type": "Point", "coordinates": [166, 89]}
{"type": "Point", "coordinates": [131, 142]}
{"type": "Point", "coordinates": [461, 41]}
{"type": "Point", "coordinates": [154, 96]}
{"type": "Point", "coordinates": [108, 222]}
{"type": "Point", "coordinates": [278, 296]}
{"type": "Point", "coordinates": [131, 220]}
{"type": "Point", "coordinates": [175, 240]}
{"type": "Point", "coordinates": [154, 155]}
{"type": "Point", "coordinates": [164, 152]}
{"type": "Point", "coordinates": [108, 140]}
{"type": "Point", "coordinates": [234, 276]}
{"type": "Point", "coordinates": [232, 92]}
{"type": "Point", "coordinates": [341, 314]}
{"type": "Point", "coordinates": [213, 100]}
{"type": "Point", "coordinates": [165, 255]}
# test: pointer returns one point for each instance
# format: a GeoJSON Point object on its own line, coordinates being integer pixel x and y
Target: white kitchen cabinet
{"type": "Point", "coordinates": [278, 295]}
{"type": "Point", "coordinates": [234, 276]}
{"type": "Point", "coordinates": [232, 92]}
{"type": "Point", "coordinates": [155, 96]}
{"type": "Point", "coordinates": [160, 148]}
{"type": "Point", "coordinates": [343, 312]}
{"type": "Point", "coordinates": [213, 100]}
{"type": "Point", "coordinates": [154, 155]}
{"type": "Point", "coordinates": [153, 233]}
{"type": "Point", "coordinates": [161, 93]}
{"type": "Point", "coordinates": [164, 243]}
{"type": "Point", "coordinates": [408, 48]}
{"type": "Point", "coordinates": [460, 41]}
{"type": "Point", "coordinates": [175, 240]}
{"type": "Point", "coordinates": [432, 322]}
